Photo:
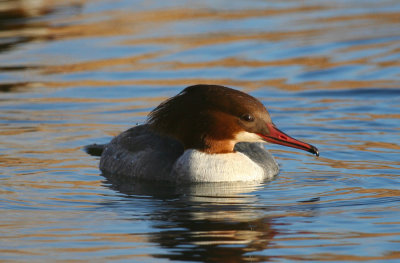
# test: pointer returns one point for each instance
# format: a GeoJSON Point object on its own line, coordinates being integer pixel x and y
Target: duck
{"type": "Point", "coordinates": [204, 134]}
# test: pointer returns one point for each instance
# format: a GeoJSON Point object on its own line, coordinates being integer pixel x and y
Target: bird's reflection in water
{"type": "Point", "coordinates": [208, 222]}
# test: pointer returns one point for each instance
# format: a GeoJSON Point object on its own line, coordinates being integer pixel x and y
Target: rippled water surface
{"type": "Point", "coordinates": [79, 72]}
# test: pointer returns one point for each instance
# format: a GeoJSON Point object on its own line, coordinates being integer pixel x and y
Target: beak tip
{"type": "Point", "coordinates": [314, 150]}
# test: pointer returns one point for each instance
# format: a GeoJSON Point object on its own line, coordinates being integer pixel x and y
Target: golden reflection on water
{"type": "Point", "coordinates": [134, 24]}
{"type": "Point", "coordinates": [245, 85]}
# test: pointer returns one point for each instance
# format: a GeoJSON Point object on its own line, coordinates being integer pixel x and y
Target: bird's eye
{"type": "Point", "coordinates": [247, 117]}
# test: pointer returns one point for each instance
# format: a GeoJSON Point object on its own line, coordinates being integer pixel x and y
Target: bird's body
{"type": "Point", "coordinates": [143, 154]}
{"type": "Point", "coordinates": [206, 133]}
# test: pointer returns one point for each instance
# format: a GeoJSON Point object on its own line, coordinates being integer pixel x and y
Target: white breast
{"type": "Point", "coordinates": [196, 166]}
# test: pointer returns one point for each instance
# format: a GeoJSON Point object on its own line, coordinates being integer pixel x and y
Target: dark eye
{"type": "Point", "coordinates": [247, 117]}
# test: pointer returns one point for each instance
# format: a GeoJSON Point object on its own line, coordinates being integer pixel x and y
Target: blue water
{"type": "Point", "coordinates": [79, 72]}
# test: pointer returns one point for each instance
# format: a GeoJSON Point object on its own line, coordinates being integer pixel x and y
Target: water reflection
{"type": "Point", "coordinates": [16, 9]}
{"type": "Point", "coordinates": [211, 222]}
{"type": "Point", "coordinates": [16, 26]}
{"type": "Point", "coordinates": [23, 22]}
{"type": "Point", "coordinates": [78, 72]}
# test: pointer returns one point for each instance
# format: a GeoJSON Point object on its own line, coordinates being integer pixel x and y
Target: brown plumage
{"type": "Point", "coordinates": [195, 115]}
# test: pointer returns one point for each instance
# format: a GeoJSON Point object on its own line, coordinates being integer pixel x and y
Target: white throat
{"type": "Point", "coordinates": [244, 136]}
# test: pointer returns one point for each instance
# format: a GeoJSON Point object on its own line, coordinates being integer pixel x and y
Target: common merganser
{"type": "Point", "coordinates": [206, 133]}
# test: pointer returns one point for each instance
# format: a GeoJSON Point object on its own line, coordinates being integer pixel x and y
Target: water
{"type": "Point", "coordinates": [78, 72]}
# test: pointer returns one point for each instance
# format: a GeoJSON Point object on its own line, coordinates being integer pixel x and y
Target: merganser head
{"type": "Point", "coordinates": [213, 119]}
